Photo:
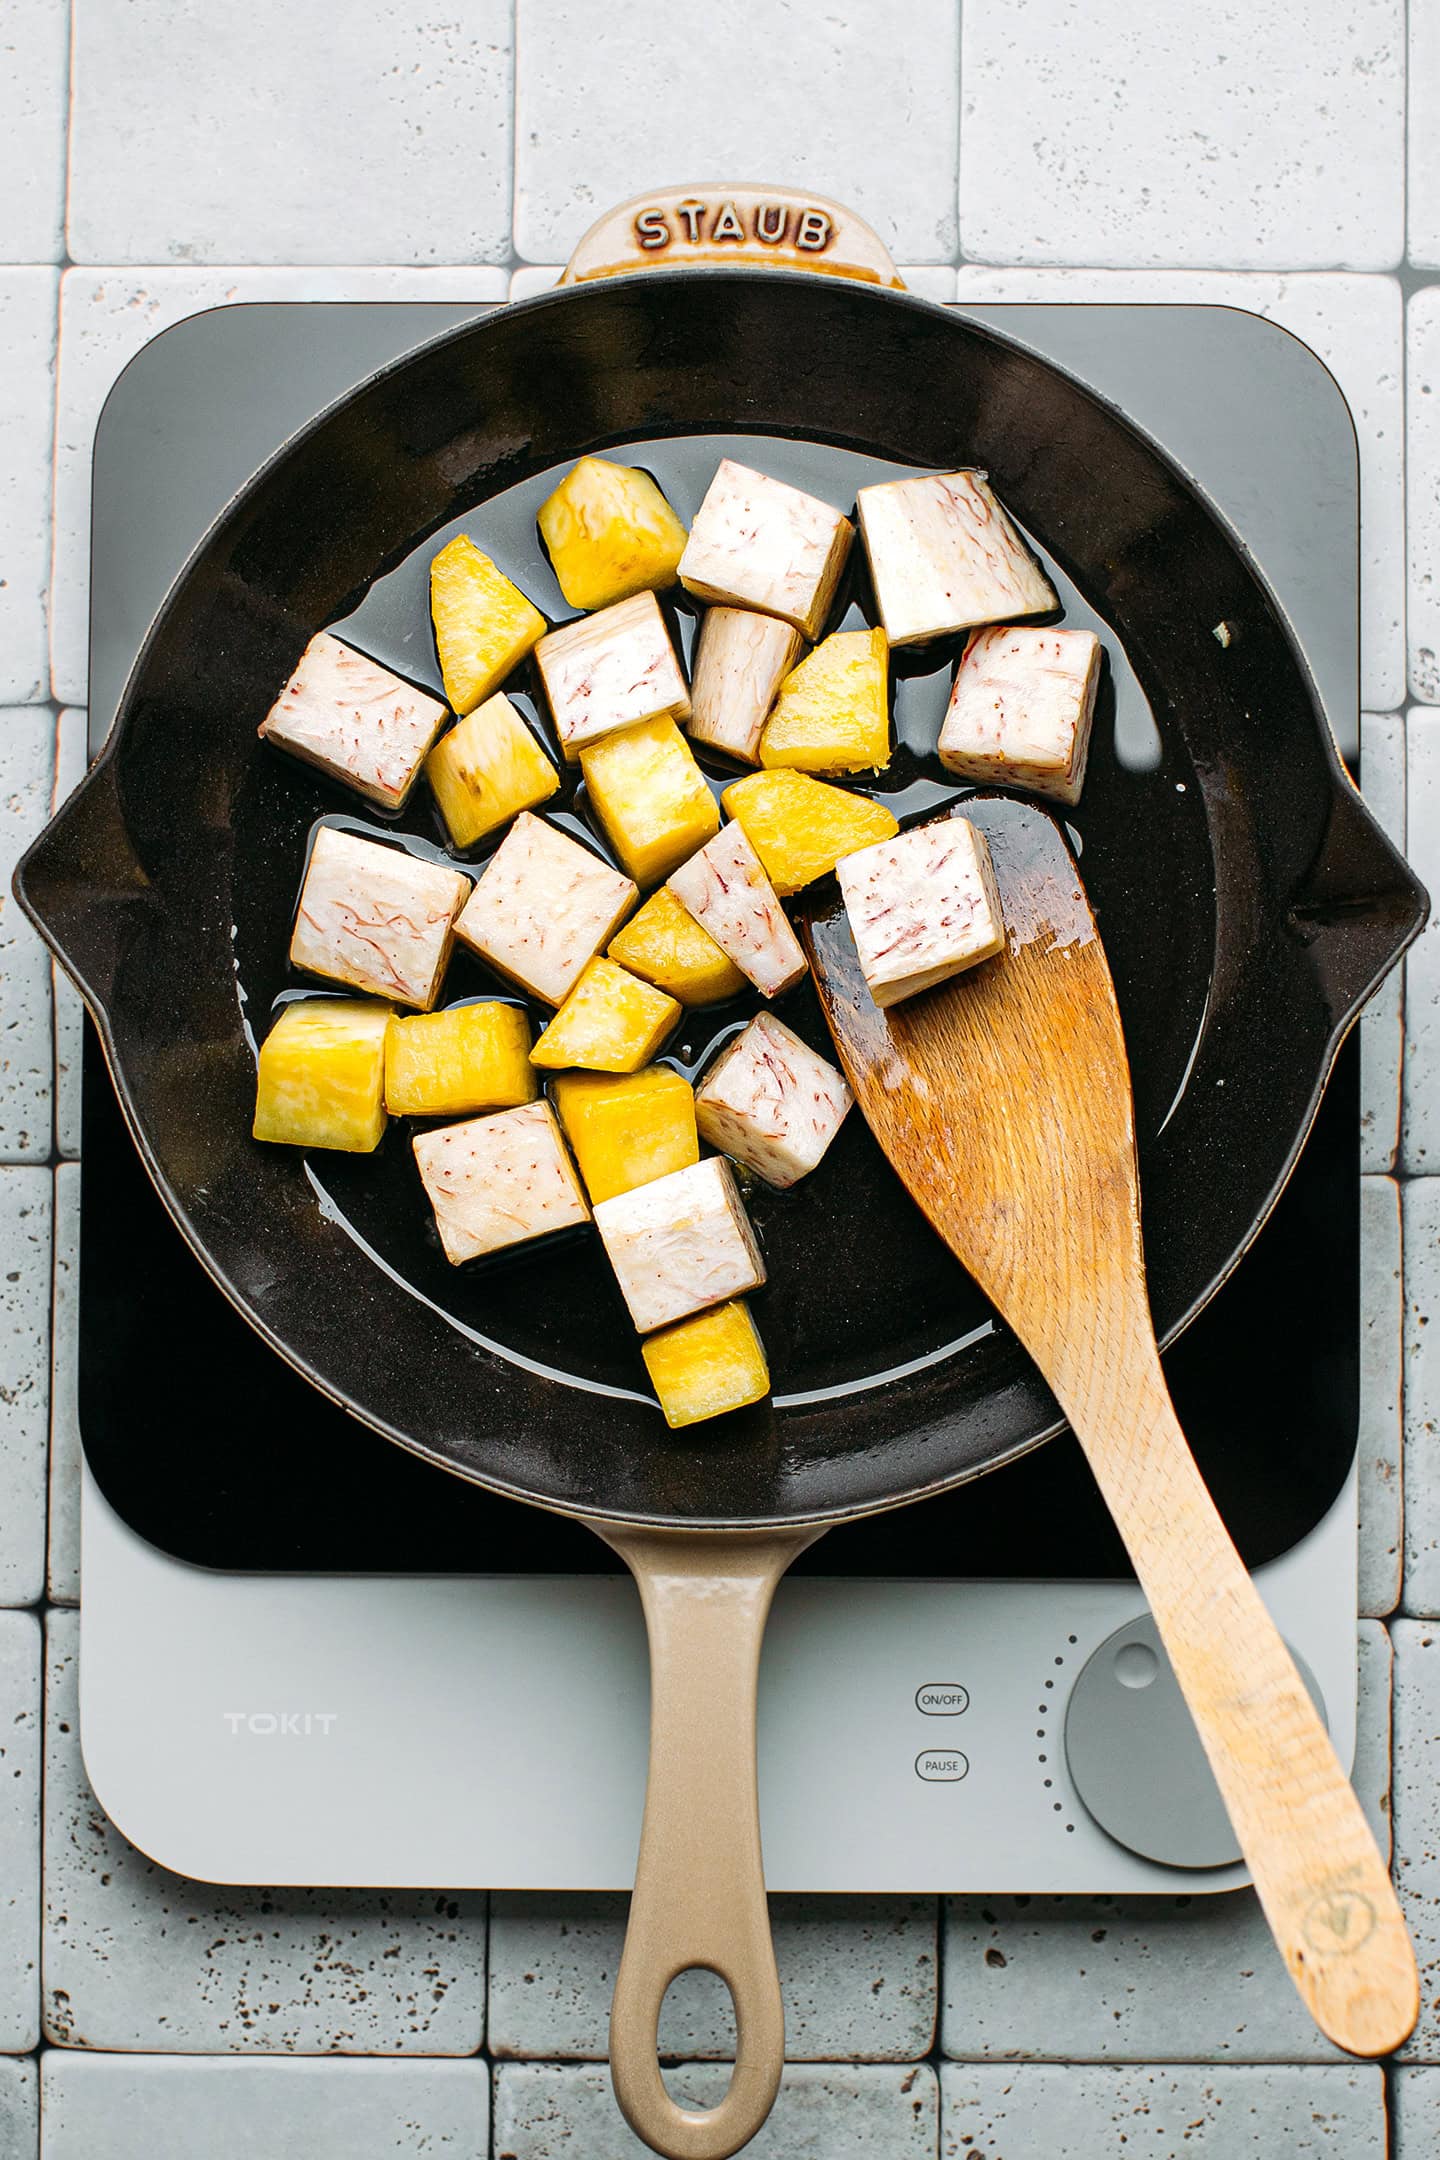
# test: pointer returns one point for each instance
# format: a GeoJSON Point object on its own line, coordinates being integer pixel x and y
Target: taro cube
{"type": "Point", "coordinates": [543, 908]}
{"type": "Point", "coordinates": [772, 1102]}
{"type": "Point", "coordinates": [922, 907]}
{"type": "Point", "coordinates": [726, 890]}
{"type": "Point", "coordinates": [344, 713]}
{"type": "Point", "coordinates": [1020, 711]}
{"type": "Point", "coordinates": [498, 1181]}
{"type": "Point", "coordinates": [741, 660]}
{"type": "Point", "coordinates": [944, 557]}
{"type": "Point", "coordinates": [680, 1243]}
{"type": "Point", "coordinates": [376, 918]}
{"type": "Point", "coordinates": [757, 543]}
{"type": "Point", "coordinates": [610, 670]}
{"type": "Point", "coordinates": [703, 1367]}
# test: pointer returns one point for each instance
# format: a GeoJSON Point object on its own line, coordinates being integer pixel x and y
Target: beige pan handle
{"type": "Point", "coordinates": [699, 1897]}
{"type": "Point", "coordinates": [780, 228]}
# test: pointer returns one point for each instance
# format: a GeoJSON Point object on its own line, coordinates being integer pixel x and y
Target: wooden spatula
{"type": "Point", "coordinates": [1003, 1101]}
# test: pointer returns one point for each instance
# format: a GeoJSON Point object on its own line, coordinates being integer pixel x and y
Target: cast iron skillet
{"type": "Point", "coordinates": [1248, 901]}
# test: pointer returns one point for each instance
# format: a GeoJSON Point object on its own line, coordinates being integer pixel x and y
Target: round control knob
{"type": "Point", "coordinates": [1136, 1758]}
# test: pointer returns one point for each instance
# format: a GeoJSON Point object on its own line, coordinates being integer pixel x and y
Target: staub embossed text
{"type": "Point", "coordinates": [698, 222]}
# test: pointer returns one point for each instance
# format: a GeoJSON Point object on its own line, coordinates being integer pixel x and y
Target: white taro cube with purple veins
{"type": "Point", "coordinates": [354, 720]}
{"type": "Point", "coordinates": [1021, 709]}
{"type": "Point", "coordinates": [679, 1244]}
{"type": "Point", "coordinates": [922, 907]}
{"type": "Point", "coordinates": [741, 659]}
{"type": "Point", "coordinates": [772, 1102]}
{"type": "Point", "coordinates": [498, 1181]}
{"type": "Point", "coordinates": [543, 908]}
{"type": "Point", "coordinates": [944, 557]}
{"type": "Point", "coordinates": [759, 543]}
{"type": "Point", "coordinates": [611, 670]}
{"type": "Point", "coordinates": [376, 918]}
{"type": "Point", "coordinates": [725, 888]}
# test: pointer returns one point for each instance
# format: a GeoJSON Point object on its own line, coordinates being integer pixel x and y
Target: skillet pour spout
{"type": "Point", "coordinates": [1357, 907]}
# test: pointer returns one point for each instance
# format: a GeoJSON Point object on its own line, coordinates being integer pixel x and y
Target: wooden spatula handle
{"type": "Point", "coordinates": [1321, 1880]}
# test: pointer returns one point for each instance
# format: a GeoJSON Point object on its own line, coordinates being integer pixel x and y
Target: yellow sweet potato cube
{"type": "Point", "coordinates": [610, 533]}
{"type": "Point", "coordinates": [801, 827]}
{"type": "Point", "coordinates": [486, 769]}
{"type": "Point", "coordinates": [321, 1082]}
{"type": "Point", "coordinates": [472, 1057]}
{"type": "Point", "coordinates": [484, 625]}
{"type": "Point", "coordinates": [663, 944]}
{"type": "Point", "coordinates": [611, 1022]}
{"type": "Point", "coordinates": [627, 1128]}
{"type": "Point", "coordinates": [650, 796]}
{"type": "Point", "coordinates": [702, 1367]}
{"type": "Point", "coordinates": [832, 714]}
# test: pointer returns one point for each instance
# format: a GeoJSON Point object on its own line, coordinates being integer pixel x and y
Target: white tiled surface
{"type": "Point", "coordinates": [1250, 155]}
{"type": "Point", "coordinates": [1046, 2111]}
{"type": "Point", "coordinates": [1256, 133]}
{"type": "Point", "coordinates": [167, 2107]}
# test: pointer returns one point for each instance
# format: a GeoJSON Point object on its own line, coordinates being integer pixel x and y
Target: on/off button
{"type": "Point", "coordinates": [942, 1698]}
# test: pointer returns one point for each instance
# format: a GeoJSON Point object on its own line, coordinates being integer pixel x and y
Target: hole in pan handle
{"type": "Point", "coordinates": [716, 227]}
{"type": "Point", "coordinates": [699, 1897]}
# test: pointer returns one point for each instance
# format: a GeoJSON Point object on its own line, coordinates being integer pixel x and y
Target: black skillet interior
{"type": "Point", "coordinates": [1246, 900]}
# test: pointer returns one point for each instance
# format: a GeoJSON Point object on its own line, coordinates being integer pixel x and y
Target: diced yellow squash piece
{"type": "Point", "coordinates": [650, 796]}
{"type": "Point", "coordinates": [663, 944]}
{"type": "Point", "coordinates": [484, 625]}
{"type": "Point", "coordinates": [611, 1022]}
{"type": "Point", "coordinates": [702, 1367]}
{"type": "Point", "coordinates": [322, 1075]}
{"type": "Point", "coordinates": [801, 827]}
{"type": "Point", "coordinates": [627, 1129]}
{"type": "Point", "coordinates": [472, 1057]}
{"type": "Point", "coordinates": [832, 714]}
{"type": "Point", "coordinates": [486, 769]}
{"type": "Point", "coordinates": [610, 533]}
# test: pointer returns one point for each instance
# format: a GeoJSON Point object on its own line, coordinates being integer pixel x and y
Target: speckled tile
{"type": "Point", "coordinates": [1354, 325]}
{"type": "Point", "coordinates": [27, 771]}
{"type": "Point", "coordinates": [25, 1197]}
{"type": "Point", "coordinates": [1417, 1816]}
{"type": "Point", "coordinates": [1043, 2111]}
{"type": "Point", "coordinates": [858, 102]}
{"type": "Point", "coordinates": [34, 79]}
{"type": "Point", "coordinates": [1378, 1451]}
{"type": "Point", "coordinates": [135, 1957]}
{"type": "Point", "coordinates": [27, 393]}
{"type": "Point", "coordinates": [562, 2111]}
{"type": "Point", "coordinates": [1251, 132]}
{"type": "Point", "coordinates": [1421, 1215]}
{"type": "Point", "coordinates": [1423, 192]}
{"type": "Point", "coordinates": [19, 2111]}
{"type": "Point", "coordinates": [1138, 1979]}
{"type": "Point", "coordinates": [391, 144]}
{"type": "Point", "coordinates": [1415, 2114]}
{"type": "Point", "coordinates": [63, 1554]}
{"type": "Point", "coordinates": [857, 1973]}
{"type": "Point", "coordinates": [1422, 429]}
{"type": "Point", "coordinates": [1382, 1026]}
{"type": "Point", "coordinates": [1420, 1115]}
{"type": "Point", "coordinates": [159, 2107]}
{"type": "Point", "coordinates": [20, 1662]}
{"type": "Point", "coordinates": [68, 1011]}
{"type": "Point", "coordinates": [106, 316]}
